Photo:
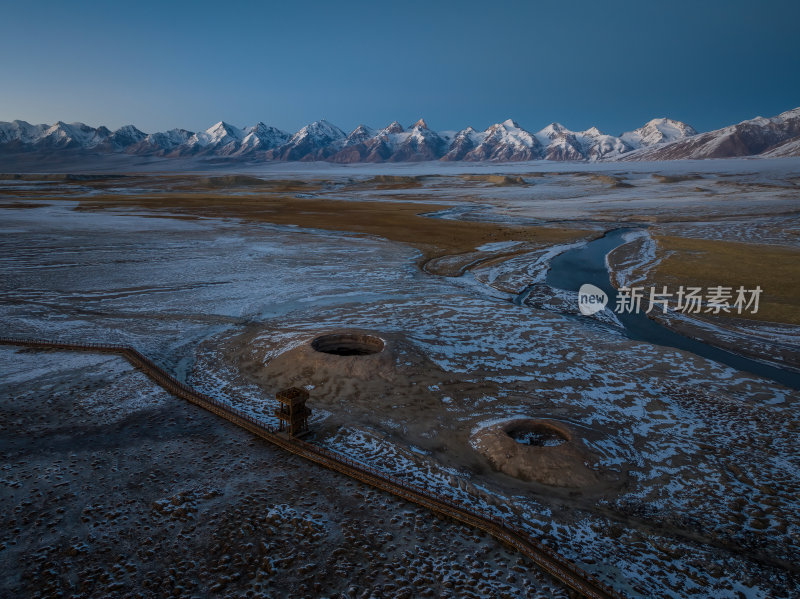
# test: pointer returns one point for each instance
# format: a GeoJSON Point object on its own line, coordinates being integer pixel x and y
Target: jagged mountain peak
{"type": "Point", "coordinates": [469, 132]}
{"type": "Point", "coordinates": [220, 135]}
{"type": "Point", "coordinates": [392, 128]}
{"type": "Point", "coordinates": [510, 124]}
{"type": "Point", "coordinates": [419, 143]}
{"type": "Point", "coordinates": [794, 113]}
{"type": "Point", "coordinates": [361, 131]}
{"type": "Point", "coordinates": [757, 136]}
{"type": "Point", "coordinates": [126, 135]}
{"type": "Point", "coordinates": [66, 127]}
{"type": "Point", "coordinates": [506, 141]}
{"type": "Point", "coordinates": [262, 129]}
{"type": "Point", "coordinates": [260, 138]}
{"type": "Point", "coordinates": [658, 131]}
{"type": "Point", "coordinates": [464, 142]}
{"type": "Point", "coordinates": [223, 128]}
{"type": "Point", "coordinates": [322, 127]}
{"type": "Point", "coordinates": [554, 130]}
{"type": "Point", "coordinates": [129, 129]}
{"type": "Point", "coordinates": [316, 141]}
{"type": "Point", "coordinates": [359, 135]}
{"type": "Point", "coordinates": [664, 121]}
{"type": "Point", "coordinates": [509, 129]}
{"type": "Point", "coordinates": [658, 139]}
{"type": "Point", "coordinates": [72, 135]}
{"type": "Point", "coordinates": [21, 132]}
{"type": "Point", "coordinates": [592, 132]}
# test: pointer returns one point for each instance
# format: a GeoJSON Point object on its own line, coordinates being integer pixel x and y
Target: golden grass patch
{"type": "Point", "coordinates": [396, 221]}
{"type": "Point", "coordinates": [709, 263]}
{"type": "Point", "coordinates": [498, 180]}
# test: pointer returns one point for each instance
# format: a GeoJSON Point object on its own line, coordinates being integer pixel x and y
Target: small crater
{"type": "Point", "coordinates": [538, 436]}
{"type": "Point", "coordinates": [346, 344]}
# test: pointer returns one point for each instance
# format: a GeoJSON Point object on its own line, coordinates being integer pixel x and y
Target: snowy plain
{"type": "Point", "coordinates": [677, 433]}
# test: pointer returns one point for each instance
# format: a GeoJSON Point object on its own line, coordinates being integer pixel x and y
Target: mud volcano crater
{"type": "Point", "coordinates": [339, 363]}
{"type": "Point", "coordinates": [539, 450]}
{"type": "Point", "coordinates": [537, 434]}
{"type": "Point", "coordinates": [348, 344]}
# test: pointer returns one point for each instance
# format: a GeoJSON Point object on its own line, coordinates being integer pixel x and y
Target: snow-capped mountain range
{"type": "Point", "coordinates": [770, 137]}
{"type": "Point", "coordinates": [659, 139]}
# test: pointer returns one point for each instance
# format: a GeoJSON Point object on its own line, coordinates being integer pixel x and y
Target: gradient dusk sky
{"type": "Point", "coordinates": [613, 64]}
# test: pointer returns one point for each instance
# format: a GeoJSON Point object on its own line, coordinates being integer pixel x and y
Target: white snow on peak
{"type": "Point", "coordinates": [262, 137]}
{"type": "Point", "coordinates": [392, 128]}
{"type": "Point", "coordinates": [789, 148]}
{"type": "Point", "coordinates": [511, 133]}
{"type": "Point", "coordinates": [448, 135]}
{"type": "Point", "coordinates": [324, 127]}
{"type": "Point", "coordinates": [21, 131]}
{"type": "Point", "coordinates": [359, 135]}
{"type": "Point", "coordinates": [599, 145]}
{"type": "Point", "coordinates": [128, 130]}
{"type": "Point", "coordinates": [761, 121]}
{"type": "Point", "coordinates": [319, 131]}
{"type": "Point", "coordinates": [552, 131]}
{"type": "Point", "coordinates": [504, 141]}
{"type": "Point", "coordinates": [220, 134]}
{"type": "Point", "coordinates": [657, 131]}
{"type": "Point", "coordinates": [591, 144]}
{"type": "Point", "coordinates": [469, 133]}
{"type": "Point", "coordinates": [363, 130]}
{"type": "Point", "coordinates": [794, 113]}
{"type": "Point", "coordinates": [168, 140]}
{"type": "Point", "coordinates": [592, 132]}
{"type": "Point", "coordinates": [62, 134]}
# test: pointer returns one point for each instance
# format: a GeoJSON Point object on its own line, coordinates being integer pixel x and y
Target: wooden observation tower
{"type": "Point", "coordinates": [293, 413]}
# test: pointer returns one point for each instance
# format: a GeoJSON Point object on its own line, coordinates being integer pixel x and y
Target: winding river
{"type": "Point", "coordinates": [587, 264]}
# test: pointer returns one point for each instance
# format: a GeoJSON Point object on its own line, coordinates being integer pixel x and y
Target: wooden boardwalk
{"type": "Point", "coordinates": [548, 560]}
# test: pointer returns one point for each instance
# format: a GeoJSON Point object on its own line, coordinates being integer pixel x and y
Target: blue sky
{"type": "Point", "coordinates": [608, 63]}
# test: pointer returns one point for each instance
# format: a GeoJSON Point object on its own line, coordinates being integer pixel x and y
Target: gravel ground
{"type": "Point", "coordinates": [165, 499]}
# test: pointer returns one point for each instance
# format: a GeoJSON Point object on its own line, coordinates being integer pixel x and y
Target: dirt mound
{"type": "Point", "coordinates": [353, 359]}
{"type": "Point", "coordinates": [544, 451]}
{"type": "Point", "coordinates": [499, 180]}
{"type": "Point", "coordinates": [232, 181]}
